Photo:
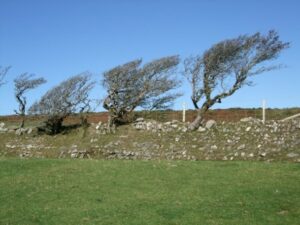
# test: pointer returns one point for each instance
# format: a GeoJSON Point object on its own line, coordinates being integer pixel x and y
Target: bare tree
{"type": "Point", "coordinates": [3, 72]}
{"type": "Point", "coordinates": [70, 96]}
{"type": "Point", "coordinates": [24, 83]}
{"type": "Point", "coordinates": [132, 85]}
{"type": "Point", "coordinates": [227, 67]}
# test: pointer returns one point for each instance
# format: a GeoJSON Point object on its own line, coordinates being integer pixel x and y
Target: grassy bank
{"type": "Point", "coordinates": [148, 192]}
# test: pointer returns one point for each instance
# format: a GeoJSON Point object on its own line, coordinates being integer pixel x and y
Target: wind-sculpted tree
{"type": "Point", "coordinates": [70, 96]}
{"type": "Point", "coordinates": [131, 85]}
{"type": "Point", "coordinates": [24, 83]}
{"type": "Point", "coordinates": [227, 67]}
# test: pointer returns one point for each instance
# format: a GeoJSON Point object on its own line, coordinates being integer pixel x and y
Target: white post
{"type": "Point", "coordinates": [183, 111]}
{"type": "Point", "coordinates": [264, 111]}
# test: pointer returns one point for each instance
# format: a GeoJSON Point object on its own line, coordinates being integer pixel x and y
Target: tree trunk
{"type": "Point", "coordinates": [84, 123]}
{"type": "Point", "coordinates": [196, 123]}
{"type": "Point", "coordinates": [22, 121]}
{"type": "Point", "coordinates": [53, 124]}
{"type": "Point", "coordinates": [22, 109]}
{"type": "Point", "coordinates": [199, 119]}
{"type": "Point", "coordinates": [111, 124]}
{"type": "Point", "coordinates": [84, 120]}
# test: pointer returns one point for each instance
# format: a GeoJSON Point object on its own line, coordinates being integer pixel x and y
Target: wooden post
{"type": "Point", "coordinates": [264, 111]}
{"type": "Point", "coordinates": [183, 111]}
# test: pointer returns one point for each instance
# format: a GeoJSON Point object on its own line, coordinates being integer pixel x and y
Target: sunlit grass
{"type": "Point", "coordinates": [148, 192]}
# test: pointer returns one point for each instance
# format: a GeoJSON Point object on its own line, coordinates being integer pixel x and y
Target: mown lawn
{"type": "Point", "coordinates": [148, 192]}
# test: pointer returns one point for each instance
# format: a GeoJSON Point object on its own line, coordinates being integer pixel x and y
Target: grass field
{"type": "Point", "coordinates": [148, 192]}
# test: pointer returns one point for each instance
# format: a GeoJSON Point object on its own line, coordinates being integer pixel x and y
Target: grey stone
{"type": "Point", "coordinates": [98, 126]}
{"type": "Point", "coordinates": [140, 126]}
{"type": "Point", "coordinates": [263, 154]}
{"type": "Point", "coordinates": [292, 155]}
{"type": "Point", "coordinates": [210, 123]}
{"type": "Point", "coordinates": [213, 147]}
{"type": "Point", "coordinates": [159, 126]}
{"type": "Point", "coordinates": [247, 119]}
{"type": "Point", "coordinates": [29, 131]}
{"type": "Point", "coordinates": [74, 154]}
{"type": "Point", "coordinates": [3, 130]}
{"type": "Point", "coordinates": [184, 129]}
{"type": "Point", "coordinates": [21, 131]}
{"type": "Point", "coordinates": [241, 147]}
{"type": "Point", "coordinates": [201, 129]}
{"type": "Point", "coordinates": [250, 119]}
{"type": "Point", "coordinates": [149, 126]}
{"type": "Point", "coordinates": [140, 119]}
{"type": "Point", "coordinates": [266, 137]}
{"type": "Point", "coordinates": [93, 140]}
{"type": "Point", "coordinates": [11, 146]}
{"type": "Point", "coordinates": [25, 154]}
{"type": "Point", "coordinates": [297, 125]}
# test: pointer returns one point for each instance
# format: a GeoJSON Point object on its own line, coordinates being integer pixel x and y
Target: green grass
{"type": "Point", "coordinates": [148, 192]}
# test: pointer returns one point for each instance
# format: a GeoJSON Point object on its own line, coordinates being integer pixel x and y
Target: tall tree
{"type": "Point", "coordinates": [23, 84]}
{"type": "Point", "coordinates": [131, 85]}
{"type": "Point", "coordinates": [70, 96]}
{"type": "Point", "coordinates": [227, 67]}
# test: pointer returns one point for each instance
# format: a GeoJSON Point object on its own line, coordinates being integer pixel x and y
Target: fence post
{"type": "Point", "coordinates": [183, 111]}
{"type": "Point", "coordinates": [264, 111]}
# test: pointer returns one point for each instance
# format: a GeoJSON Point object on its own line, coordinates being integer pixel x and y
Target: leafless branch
{"type": "Point", "coordinates": [3, 72]}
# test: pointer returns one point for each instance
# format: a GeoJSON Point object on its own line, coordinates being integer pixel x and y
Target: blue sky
{"type": "Point", "coordinates": [59, 38]}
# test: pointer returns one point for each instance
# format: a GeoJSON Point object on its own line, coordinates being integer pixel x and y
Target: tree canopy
{"type": "Point", "coordinates": [227, 66]}
{"type": "Point", "coordinates": [132, 85]}
{"type": "Point", "coordinates": [24, 83]}
{"type": "Point", "coordinates": [70, 96]}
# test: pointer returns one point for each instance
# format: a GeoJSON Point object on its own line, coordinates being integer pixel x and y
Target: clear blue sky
{"type": "Point", "coordinates": [60, 38]}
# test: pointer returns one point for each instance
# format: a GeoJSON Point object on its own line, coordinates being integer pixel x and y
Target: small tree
{"type": "Point", "coordinates": [3, 72]}
{"type": "Point", "coordinates": [130, 86]}
{"type": "Point", "coordinates": [227, 67]}
{"type": "Point", "coordinates": [70, 96]}
{"type": "Point", "coordinates": [24, 83]}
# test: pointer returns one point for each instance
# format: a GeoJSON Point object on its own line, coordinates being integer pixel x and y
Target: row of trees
{"type": "Point", "coordinates": [214, 75]}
